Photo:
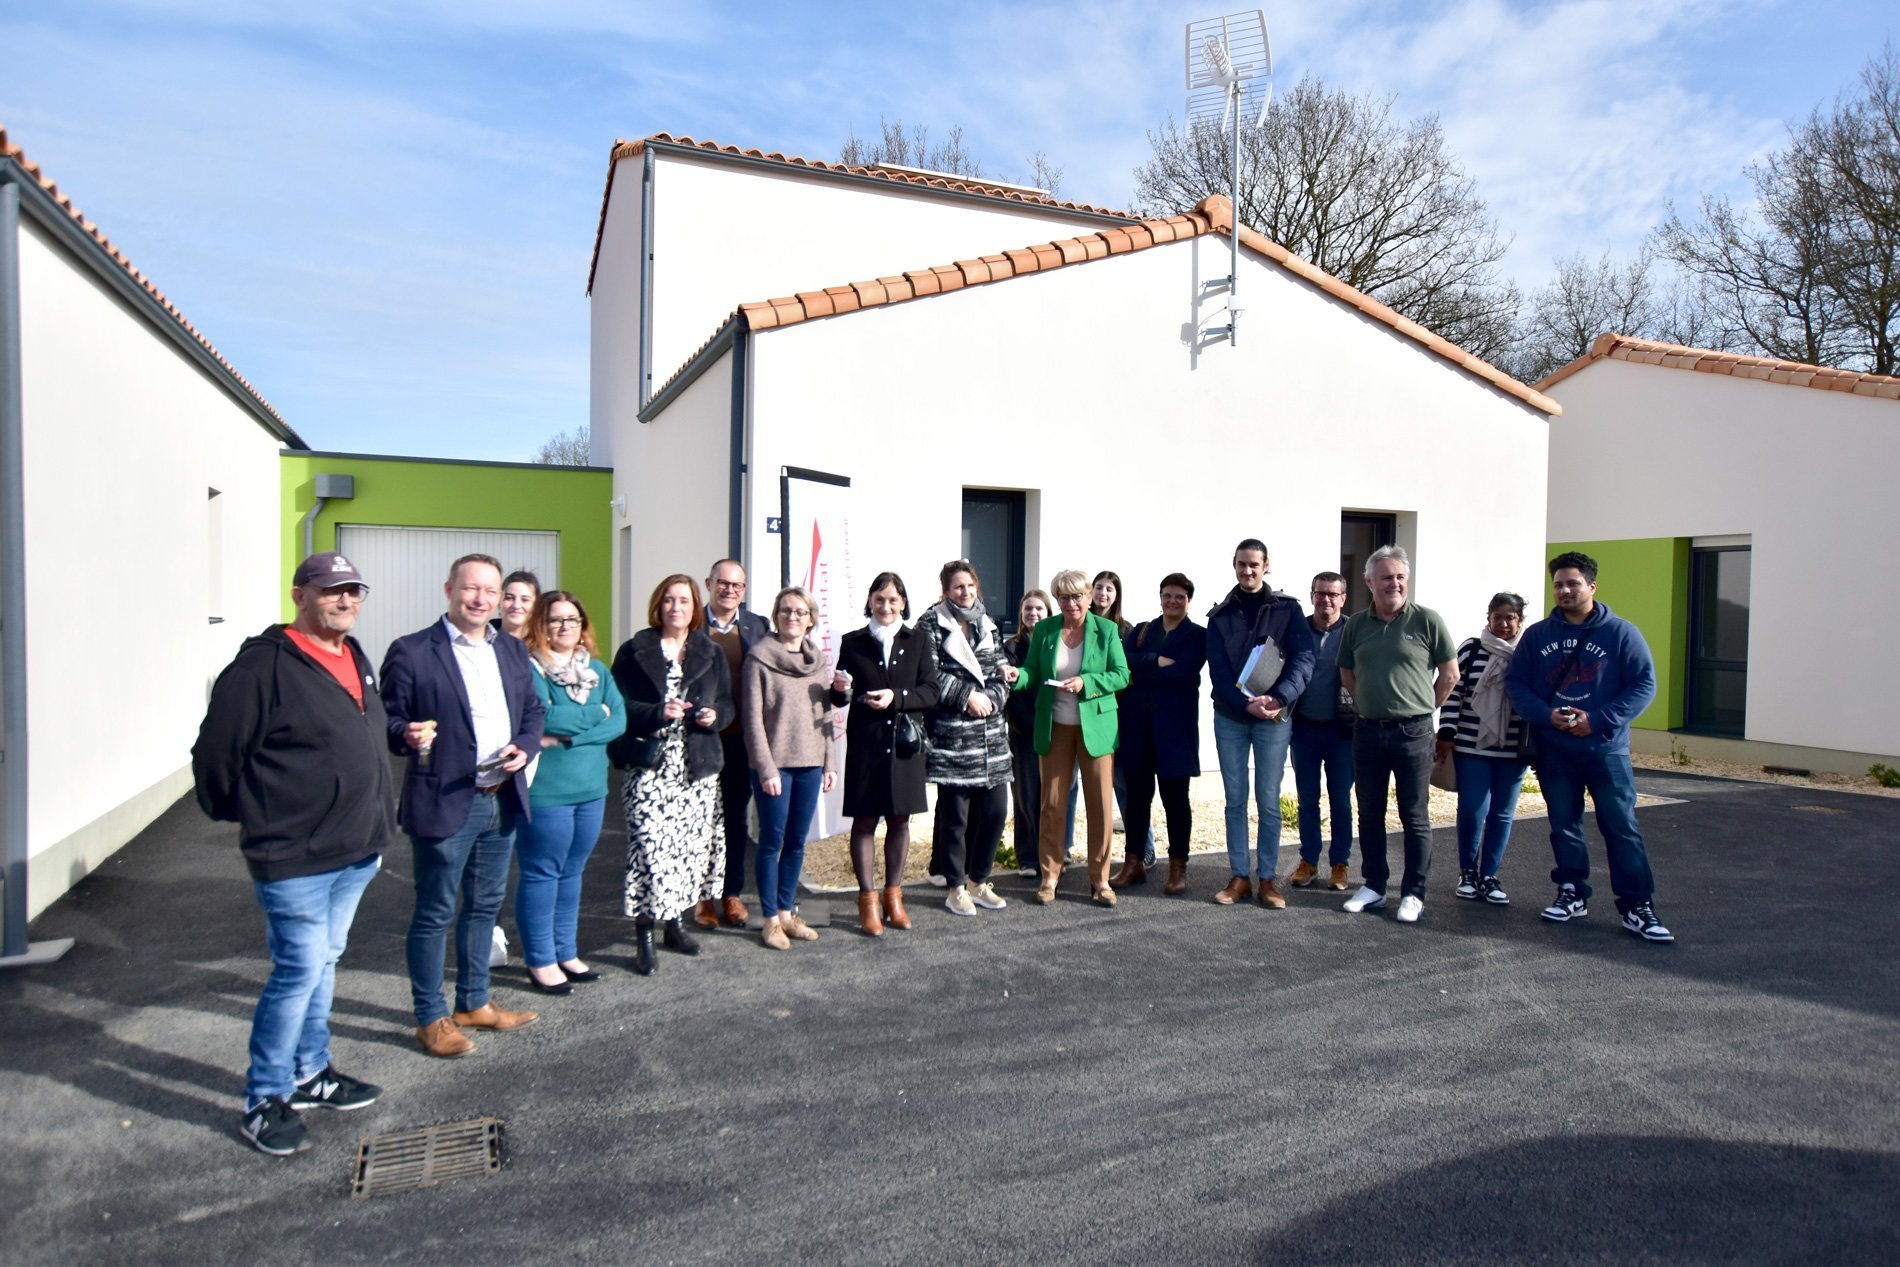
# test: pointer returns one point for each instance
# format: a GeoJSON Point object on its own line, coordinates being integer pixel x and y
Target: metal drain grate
{"type": "Point", "coordinates": [403, 1161]}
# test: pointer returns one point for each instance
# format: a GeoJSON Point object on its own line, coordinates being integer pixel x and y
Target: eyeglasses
{"type": "Point", "coordinates": [787, 612]}
{"type": "Point", "coordinates": [1332, 594]}
{"type": "Point", "coordinates": [555, 622]}
{"type": "Point", "coordinates": [728, 585]}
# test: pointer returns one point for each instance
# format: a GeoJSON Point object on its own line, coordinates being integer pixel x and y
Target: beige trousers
{"type": "Point", "coordinates": [1098, 789]}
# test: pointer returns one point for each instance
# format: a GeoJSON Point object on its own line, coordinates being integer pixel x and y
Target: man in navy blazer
{"type": "Point", "coordinates": [462, 706]}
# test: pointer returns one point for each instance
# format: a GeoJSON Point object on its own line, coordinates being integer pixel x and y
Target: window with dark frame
{"type": "Point", "coordinates": [995, 523]}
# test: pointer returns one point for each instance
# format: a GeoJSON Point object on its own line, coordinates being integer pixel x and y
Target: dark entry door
{"type": "Point", "coordinates": [1359, 535]}
{"type": "Point", "coordinates": [994, 524]}
{"type": "Point", "coordinates": [1718, 640]}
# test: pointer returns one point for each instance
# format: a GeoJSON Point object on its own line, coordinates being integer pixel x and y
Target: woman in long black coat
{"type": "Point", "coordinates": [893, 675]}
{"type": "Point", "coordinates": [1161, 728]}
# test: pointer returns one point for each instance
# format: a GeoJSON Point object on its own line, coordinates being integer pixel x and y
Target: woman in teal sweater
{"type": "Point", "coordinates": [569, 792]}
{"type": "Point", "coordinates": [1075, 665]}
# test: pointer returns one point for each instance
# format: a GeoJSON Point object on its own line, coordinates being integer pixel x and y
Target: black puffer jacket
{"type": "Point", "coordinates": [286, 754]}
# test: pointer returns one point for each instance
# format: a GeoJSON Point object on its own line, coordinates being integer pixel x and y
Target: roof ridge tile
{"type": "Point", "coordinates": [1639, 351]}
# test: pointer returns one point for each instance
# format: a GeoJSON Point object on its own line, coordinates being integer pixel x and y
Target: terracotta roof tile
{"type": "Point", "coordinates": [1767, 369]}
{"type": "Point", "coordinates": [8, 150]}
{"type": "Point", "coordinates": [843, 299]}
{"type": "Point", "coordinates": [816, 303]}
{"type": "Point", "coordinates": [1211, 216]}
{"type": "Point", "coordinates": [970, 185]}
{"type": "Point", "coordinates": [896, 289]}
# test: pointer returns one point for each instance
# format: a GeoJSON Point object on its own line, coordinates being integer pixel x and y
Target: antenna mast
{"type": "Point", "coordinates": [1229, 74]}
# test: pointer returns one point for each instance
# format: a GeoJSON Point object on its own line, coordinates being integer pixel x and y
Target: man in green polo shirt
{"type": "Point", "coordinates": [1399, 663]}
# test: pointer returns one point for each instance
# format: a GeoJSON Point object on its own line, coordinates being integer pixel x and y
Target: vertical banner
{"type": "Point", "coordinates": [815, 552]}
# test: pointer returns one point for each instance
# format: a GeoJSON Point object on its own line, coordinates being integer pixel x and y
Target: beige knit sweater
{"type": "Point", "coordinates": [785, 707]}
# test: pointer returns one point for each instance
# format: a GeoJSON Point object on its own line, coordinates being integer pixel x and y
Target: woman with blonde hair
{"type": "Point", "coordinates": [785, 712]}
{"type": "Point", "coordinates": [1075, 666]}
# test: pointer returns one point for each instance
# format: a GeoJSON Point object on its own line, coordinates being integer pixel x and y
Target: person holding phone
{"type": "Point", "coordinates": [679, 697]}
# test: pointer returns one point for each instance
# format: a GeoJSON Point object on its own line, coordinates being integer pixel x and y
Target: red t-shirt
{"type": "Point", "coordinates": [342, 667]}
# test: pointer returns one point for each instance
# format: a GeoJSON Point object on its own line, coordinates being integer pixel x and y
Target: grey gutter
{"type": "Point", "coordinates": [13, 758]}
{"type": "Point", "coordinates": [780, 167]}
{"type": "Point", "coordinates": [53, 218]}
{"type": "Point", "coordinates": [646, 278]}
{"type": "Point", "coordinates": [703, 359]}
{"type": "Point", "coordinates": [401, 457]}
{"type": "Point", "coordinates": [736, 480]}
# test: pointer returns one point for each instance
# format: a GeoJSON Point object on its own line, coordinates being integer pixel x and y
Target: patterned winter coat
{"type": "Point", "coordinates": [966, 751]}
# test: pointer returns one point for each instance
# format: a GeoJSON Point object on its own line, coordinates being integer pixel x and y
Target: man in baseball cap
{"type": "Point", "coordinates": [291, 749]}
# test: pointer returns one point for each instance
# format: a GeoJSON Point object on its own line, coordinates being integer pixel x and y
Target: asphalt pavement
{"type": "Point", "coordinates": [1170, 1081]}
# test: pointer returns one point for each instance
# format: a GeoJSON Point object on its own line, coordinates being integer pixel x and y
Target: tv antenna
{"type": "Point", "coordinates": [1229, 78]}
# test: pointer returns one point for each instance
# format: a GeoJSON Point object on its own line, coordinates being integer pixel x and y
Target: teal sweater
{"type": "Point", "coordinates": [575, 770]}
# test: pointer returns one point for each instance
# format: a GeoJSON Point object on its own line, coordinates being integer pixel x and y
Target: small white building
{"type": "Point", "coordinates": [140, 503]}
{"type": "Point", "coordinates": [1732, 501]}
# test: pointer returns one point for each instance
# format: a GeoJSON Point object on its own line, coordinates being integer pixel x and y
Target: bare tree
{"type": "Point", "coordinates": [1377, 202]}
{"type": "Point", "coordinates": [565, 448]}
{"type": "Point", "coordinates": [1581, 301]}
{"type": "Point", "coordinates": [1044, 174]}
{"type": "Point", "coordinates": [912, 149]}
{"type": "Point", "coordinates": [1811, 272]}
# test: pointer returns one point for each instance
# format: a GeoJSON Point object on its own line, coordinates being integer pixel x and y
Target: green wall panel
{"type": "Point", "coordinates": [1646, 581]}
{"type": "Point", "coordinates": [416, 493]}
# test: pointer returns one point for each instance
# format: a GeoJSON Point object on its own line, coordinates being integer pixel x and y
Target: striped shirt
{"type": "Point", "coordinates": [1459, 723]}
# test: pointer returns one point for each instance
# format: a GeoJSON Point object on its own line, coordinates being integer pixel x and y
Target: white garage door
{"type": "Point", "coordinates": [406, 567]}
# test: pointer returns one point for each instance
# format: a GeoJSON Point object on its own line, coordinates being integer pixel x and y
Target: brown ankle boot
{"type": "Point", "coordinates": [894, 915]}
{"type": "Point", "coordinates": [870, 922]}
{"type": "Point", "coordinates": [1132, 872]}
{"type": "Point", "coordinates": [1177, 877]}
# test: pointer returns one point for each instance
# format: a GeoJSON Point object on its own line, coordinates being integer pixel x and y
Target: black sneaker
{"type": "Point", "coordinates": [1491, 891]}
{"type": "Point", "coordinates": [273, 1127]}
{"type": "Point", "coordinates": [1569, 904]}
{"type": "Point", "coordinates": [1467, 884]}
{"type": "Point", "coordinates": [1641, 920]}
{"type": "Point", "coordinates": [333, 1090]}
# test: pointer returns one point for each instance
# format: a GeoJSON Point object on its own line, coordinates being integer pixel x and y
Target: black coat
{"type": "Point", "coordinates": [877, 782]}
{"type": "Point", "coordinates": [640, 673]}
{"type": "Point", "coordinates": [1161, 709]}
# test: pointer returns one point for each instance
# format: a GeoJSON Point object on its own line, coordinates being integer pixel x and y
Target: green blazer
{"type": "Point", "coordinates": [1104, 672]}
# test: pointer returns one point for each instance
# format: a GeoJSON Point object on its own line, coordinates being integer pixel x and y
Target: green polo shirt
{"type": "Point", "coordinates": [1394, 662]}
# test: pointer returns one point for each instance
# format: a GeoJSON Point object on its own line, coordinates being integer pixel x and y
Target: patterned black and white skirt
{"type": "Point", "coordinates": [676, 836]}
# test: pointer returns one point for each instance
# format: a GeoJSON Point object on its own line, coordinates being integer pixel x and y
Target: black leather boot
{"type": "Point", "coordinates": [674, 937]}
{"type": "Point", "coordinates": [644, 960]}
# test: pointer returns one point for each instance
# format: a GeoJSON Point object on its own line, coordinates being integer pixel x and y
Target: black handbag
{"type": "Point", "coordinates": [635, 752]}
{"type": "Point", "coordinates": [910, 740]}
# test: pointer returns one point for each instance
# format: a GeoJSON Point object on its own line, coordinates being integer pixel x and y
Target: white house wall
{"type": "Point", "coordinates": [1648, 451]}
{"type": "Point", "coordinates": [1140, 454]}
{"type": "Point", "coordinates": [675, 476]}
{"type": "Point", "coordinates": [123, 439]}
{"type": "Point", "coordinates": [613, 314]}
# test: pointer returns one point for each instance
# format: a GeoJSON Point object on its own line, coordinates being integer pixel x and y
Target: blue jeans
{"type": "Point", "coordinates": [306, 925]}
{"type": "Point", "coordinates": [472, 866]}
{"type": "Point", "coordinates": [1487, 802]}
{"type": "Point", "coordinates": [783, 822]}
{"type": "Point", "coordinates": [551, 854]}
{"type": "Point", "coordinates": [1612, 786]}
{"type": "Point", "coordinates": [1386, 754]}
{"type": "Point", "coordinates": [1266, 742]}
{"type": "Point", "coordinates": [1324, 748]}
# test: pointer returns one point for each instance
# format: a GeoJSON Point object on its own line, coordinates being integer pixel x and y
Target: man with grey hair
{"type": "Point", "coordinates": [1399, 663]}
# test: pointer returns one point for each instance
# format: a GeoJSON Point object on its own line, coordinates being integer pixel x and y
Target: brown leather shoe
{"type": "Point", "coordinates": [441, 1038]}
{"type": "Point", "coordinates": [1177, 877]}
{"type": "Point", "coordinates": [1303, 875]}
{"type": "Point", "coordinates": [732, 913]}
{"type": "Point", "coordinates": [870, 922]}
{"type": "Point", "coordinates": [1132, 872]}
{"type": "Point", "coordinates": [893, 903]}
{"type": "Point", "coordinates": [1238, 890]}
{"type": "Point", "coordinates": [1338, 883]}
{"type": "Point", "coordinates": [1103, 896]}
{"type": "Point", "coordinates": [1270, 894]}
{"type": "Point", "coordinates": [706, 914]}
{"type": "Point", "coordinates": [488, 1016]}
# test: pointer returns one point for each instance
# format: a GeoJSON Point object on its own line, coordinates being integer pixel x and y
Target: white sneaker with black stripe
{"type": "Point", "coordinates": [1569, 904]}
{"type": "Point", "coordinates": [1366, 899]}
{"type": "Point", "coordinates": [1467, 885]}
{"type": "Point", "coordinates": [1641, 920]}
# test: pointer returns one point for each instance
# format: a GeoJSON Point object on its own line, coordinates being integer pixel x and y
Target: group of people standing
{"type": "Point", "coordinates": [511, 724]}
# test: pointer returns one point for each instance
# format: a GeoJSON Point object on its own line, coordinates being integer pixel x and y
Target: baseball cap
{"type": "Point", "coordinates": [324, 570]}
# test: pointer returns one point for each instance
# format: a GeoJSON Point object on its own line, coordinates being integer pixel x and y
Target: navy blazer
{"type": "Point", "coordinates": [1161, 709]}
{"type": "Point", "coordinates": [422, 682]}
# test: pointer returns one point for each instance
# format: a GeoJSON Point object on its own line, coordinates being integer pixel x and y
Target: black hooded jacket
{"type": "Point", "coordinates": [286, 754]}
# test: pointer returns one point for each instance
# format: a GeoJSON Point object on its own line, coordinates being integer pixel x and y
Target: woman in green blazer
{"type": "Point", "coordinates": [1075, 665]}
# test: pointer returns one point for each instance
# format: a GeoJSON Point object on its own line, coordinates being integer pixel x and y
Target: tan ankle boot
{"type": "Point", "coordinates": [1177, 877]}
{"type": "Point", "coordinates": [870, 922]}
{"type": "Point", "coordinates": [1132, 871]}
{"type": "Point", "coordinates": [894, 908]}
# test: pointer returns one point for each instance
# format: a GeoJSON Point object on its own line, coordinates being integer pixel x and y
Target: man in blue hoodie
{"type": "Point", "coordinates": [1579, 677]}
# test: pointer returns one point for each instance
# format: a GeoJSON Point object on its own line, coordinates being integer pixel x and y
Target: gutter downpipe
{"type": "Point", "coordinates": [646, 277]}
{"type": "Point", "coordinates": [15, 950]}
{"type": "Point", "coordinates": [310, 527]}
{"type": "Point", "coordinates": [735, 489]}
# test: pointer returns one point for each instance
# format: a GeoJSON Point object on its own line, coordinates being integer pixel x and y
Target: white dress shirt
{"type": "Point", "coordinates": [487, 701]}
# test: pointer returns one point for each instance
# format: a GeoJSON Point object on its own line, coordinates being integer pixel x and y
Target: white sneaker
{"type": "Point", "coordinates": [1029, 872]}
{"type": "Point", "coordinates": [958, 903]}
{"type": "Point", "coordinates": [498, 949]}
{"type": "Point", "coordinates": [1364, 900]}
{"type": "Point", "coordinates": [936, 880]}
{"type": "Point", "coordinates": [987, 898]}
{"type": "Point", "coordinates": [1409, 908]}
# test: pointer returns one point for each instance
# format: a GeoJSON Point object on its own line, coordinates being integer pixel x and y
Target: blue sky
{"type": "Point", "coordinates": [381, 211]}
